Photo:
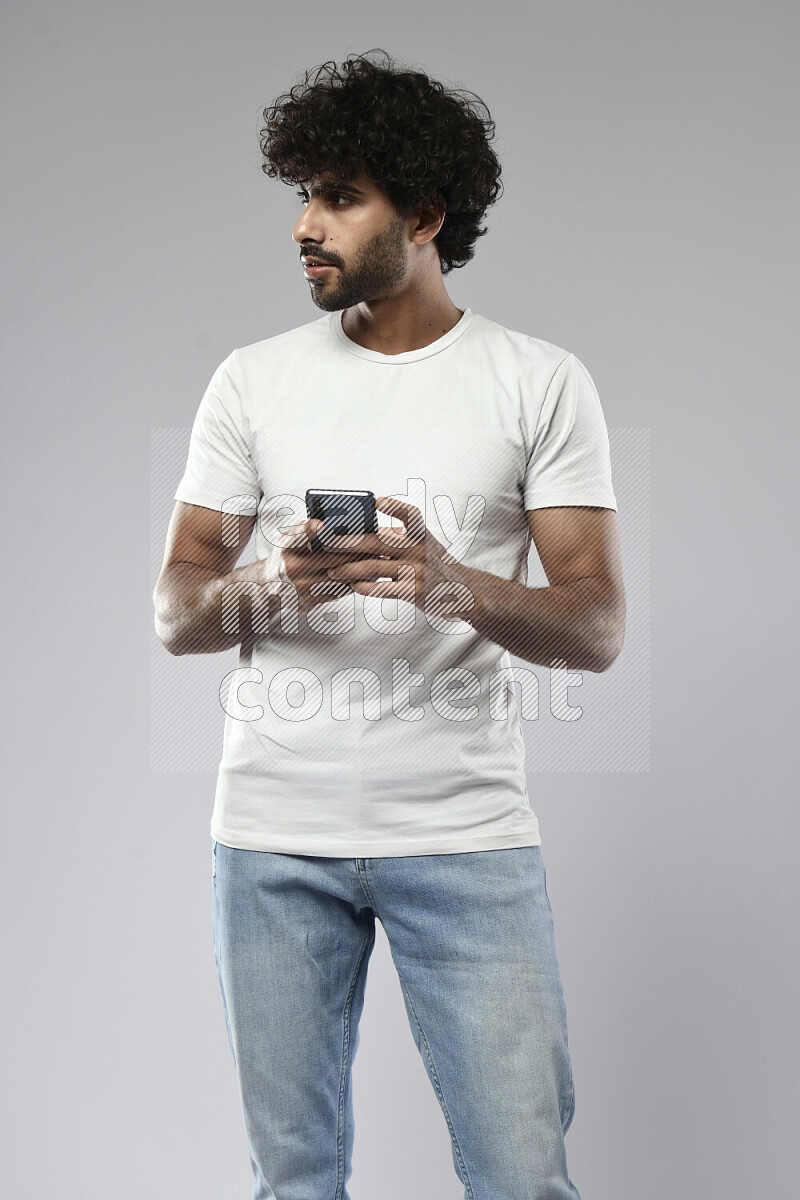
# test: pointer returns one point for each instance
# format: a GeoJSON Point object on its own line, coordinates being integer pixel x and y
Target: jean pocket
{"type": "Point", "coordinates": [213, 860]}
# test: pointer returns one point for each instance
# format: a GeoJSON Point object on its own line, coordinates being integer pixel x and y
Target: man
{"type": "Point", "coordinates": [405, 797]}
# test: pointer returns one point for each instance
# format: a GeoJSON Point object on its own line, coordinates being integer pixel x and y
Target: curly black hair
{"type": "Point", "coordinates": [420, 142]}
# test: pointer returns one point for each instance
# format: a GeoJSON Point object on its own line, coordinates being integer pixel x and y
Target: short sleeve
{"type": "Point", "coordinates": [570, 462]}
{"type": "Point", "coordinates": [219, 469]}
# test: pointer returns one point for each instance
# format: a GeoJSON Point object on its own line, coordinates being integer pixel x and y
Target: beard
{"type": "Point", "coordinates": [378, 268]}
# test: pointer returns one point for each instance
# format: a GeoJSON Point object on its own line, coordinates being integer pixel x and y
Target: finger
{"type": "Point", "coordinates": [395, 508]}
{"type": "Point", "coordinates": [326, 589]}
{"type": "Point", "coordinates": [384, 589]}
{"type": "Point", "coordinates": [313, 528]}
{"type": "Point", "coordinates": [300, 537]}
{"type": "Point", "coordinates": [365, 543]}
{"type": "Point", "coordinates": [390, 505]}
{"type": "Point", "coordinates": [289, 537]}
{"type": "Point", "coordinates": [311, 566]}
{"type": "Point", "coordinates": [411, 516]}
{"type": "Point", "coordinates": [391, 536]}
{"type": "Point", "coordinates": [367, 568]}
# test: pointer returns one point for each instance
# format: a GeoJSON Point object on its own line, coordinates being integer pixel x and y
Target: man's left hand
{"type": "Point", "coordinates": [409, 564]}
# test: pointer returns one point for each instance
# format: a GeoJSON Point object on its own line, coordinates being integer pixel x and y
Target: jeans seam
{"type": "Point", "coordinates": [571, 1105]}
{"type": "Point", "coordinates": [343, 1077]}
{"type": "Point", "coordinates": [437, 1088]}
{"type": "Point", "coordinates": [361, 871]}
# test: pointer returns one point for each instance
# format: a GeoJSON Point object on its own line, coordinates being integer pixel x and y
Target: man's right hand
{"type": "Point", "coordinates": [198, 572]}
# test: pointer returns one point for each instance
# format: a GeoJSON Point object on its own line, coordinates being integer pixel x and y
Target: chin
{"type": "Point", "coordinates": [330, 303]}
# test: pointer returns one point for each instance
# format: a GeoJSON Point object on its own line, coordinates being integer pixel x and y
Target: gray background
{"type": "Point", "coordinates": [648, 225]}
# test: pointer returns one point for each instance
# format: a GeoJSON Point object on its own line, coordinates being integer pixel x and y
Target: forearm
{"type": "Point", "coordinates": [198, 611]}
{"type": "Point", "coordinates": [569, 622]}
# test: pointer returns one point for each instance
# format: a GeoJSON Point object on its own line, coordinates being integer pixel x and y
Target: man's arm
{"type": "Point", "coordinates": [197, 568]}
{"type": "Point", "coordinates": [198, 595]}
{"type": "Point", "coordinates": [580, 617]}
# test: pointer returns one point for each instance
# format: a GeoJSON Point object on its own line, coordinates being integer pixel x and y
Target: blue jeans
{"type": "Point", "coordinates": [471, 936]}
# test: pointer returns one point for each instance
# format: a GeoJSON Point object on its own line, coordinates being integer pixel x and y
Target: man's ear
{"type": "Point", "coordinates": [430, 217]}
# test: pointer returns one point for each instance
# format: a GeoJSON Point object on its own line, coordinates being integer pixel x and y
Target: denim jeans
{"type": "Point", "coordinates": [471, 936]}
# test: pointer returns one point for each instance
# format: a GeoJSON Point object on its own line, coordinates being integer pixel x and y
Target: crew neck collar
{"type": "Point", "coordinates": [442, 343]}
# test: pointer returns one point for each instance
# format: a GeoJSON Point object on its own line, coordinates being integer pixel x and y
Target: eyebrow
{"type": "Point", "coordinates": [338, 185]}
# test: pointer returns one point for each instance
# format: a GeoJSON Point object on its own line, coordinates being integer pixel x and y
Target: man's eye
{"type": "Point", "coordinates": [331, 196]}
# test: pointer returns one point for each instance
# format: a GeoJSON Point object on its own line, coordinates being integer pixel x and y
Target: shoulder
{"type": "Point", "coordinates": [514, 347]}
{"type": "Point", "coordinates": [268, 353]}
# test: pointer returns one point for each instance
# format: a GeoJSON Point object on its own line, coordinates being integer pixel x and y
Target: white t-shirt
{"type": "Point", "coordinates": [473, 429]}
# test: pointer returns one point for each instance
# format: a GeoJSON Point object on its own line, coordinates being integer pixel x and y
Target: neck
{"type": "Point", "coordinates": [397, 324]}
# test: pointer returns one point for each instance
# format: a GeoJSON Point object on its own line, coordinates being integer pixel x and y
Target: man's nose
{"type": "Point", "coordinates": [309, 226]}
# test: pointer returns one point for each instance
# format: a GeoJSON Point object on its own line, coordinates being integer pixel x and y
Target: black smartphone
{"type": "Point", "coordinates": [345, 512]}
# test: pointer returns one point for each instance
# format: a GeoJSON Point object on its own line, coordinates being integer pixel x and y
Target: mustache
{"type": "Point", "coordinates": [319, 257]}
